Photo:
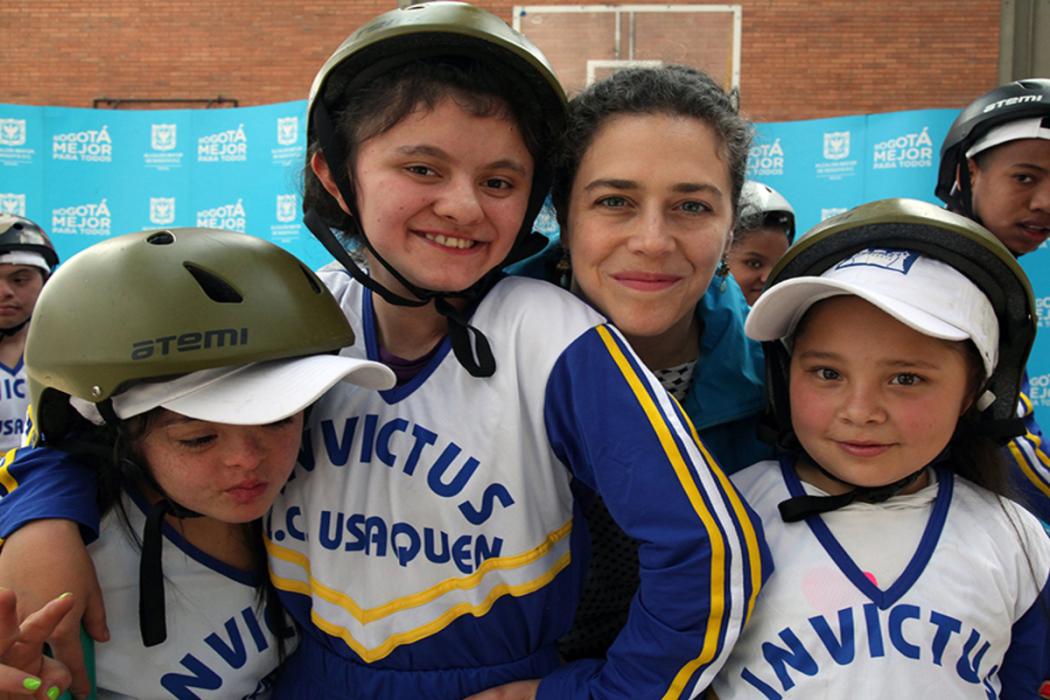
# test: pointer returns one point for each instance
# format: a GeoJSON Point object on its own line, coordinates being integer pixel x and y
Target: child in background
{"type": "Point", "coordinates": [896, 336]}
{"type": "Point", "coordinates": [995, 169]}
{"type": "Point", "coordinates": [764, 230]}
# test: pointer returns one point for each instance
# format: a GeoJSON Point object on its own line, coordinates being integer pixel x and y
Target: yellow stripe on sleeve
{"type": "Point", "coordinates": [1026, 468]}
{"type": "Point", "coordinates": [681, 469]}
{"type": "Point", "coordinates": [6, 480]}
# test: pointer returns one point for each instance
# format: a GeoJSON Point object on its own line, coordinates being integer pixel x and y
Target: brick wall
{"type": "Point", "coordinates": [800, 59]}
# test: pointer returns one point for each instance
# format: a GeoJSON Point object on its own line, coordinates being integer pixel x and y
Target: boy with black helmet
{"type": "Point", "coordinates": [895, 336]}
{"type": "Point", "coordinates": [191, 409]}
{"type": "Point", "coordinates": [26, 259]}
{"type": "Point", "coordinates": [427, 544]}
{"type": "Point", "coordinates": [995, 169]}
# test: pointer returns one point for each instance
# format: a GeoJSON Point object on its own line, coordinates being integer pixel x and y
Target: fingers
{"type": "Point", "coordinates": [95, 614]}
{"type": "Point", "coordinates": [67, 650]}
{"type": "Point", "coordinates": [17, 682]}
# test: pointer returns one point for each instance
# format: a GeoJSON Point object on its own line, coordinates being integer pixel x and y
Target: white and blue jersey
{"type": "Point", "coordinates": [427, 542]}
{"type": "Point", "coordinates": [964, 613]}
{"type": "Point", "coordinates": [1031, 475]}
{"type": "Point", "coordinates": [219, 644]}
{"type": "Point", "coordinates": [14, 399]}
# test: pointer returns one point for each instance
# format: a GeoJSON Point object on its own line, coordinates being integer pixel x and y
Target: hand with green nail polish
{"type": "Point", "coordinates": [24, 669]}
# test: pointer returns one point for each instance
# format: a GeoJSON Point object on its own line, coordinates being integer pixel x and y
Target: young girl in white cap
{"type": "Point", "coordinates": [895, 338]}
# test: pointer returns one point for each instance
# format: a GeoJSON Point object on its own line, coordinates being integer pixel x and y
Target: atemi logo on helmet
{"type": "Point", "coordinates": [227, 216]}
{"type": "Point", "coordinates": [1011, 101]}
{"type": "Point", "coordinates": [189, 342]}
{"type": "Point", "coordinates": [228, 146]}
{"type": "Point", "coordinates": [162, 211]}
{"type": "Point", "coordinates": [913, 150]}
{"type": "Point", "coordinates": [12, 132]}
{"type": "Point", "coordinates": [84, 219]}
{"type": "Point", "coordinates": [765, 159]}
{"type": "Point", "coordinates": [94, 145]}
{"type": "Point", "coordinates": [11, 203]}
{"type": "Point", "coordinates": [883, 259]}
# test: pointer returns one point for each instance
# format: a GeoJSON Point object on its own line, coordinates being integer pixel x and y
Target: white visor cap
{"type": "Point", "coordinates": [1033, 128]}
{"type": "Point", "coordinates": [925, 294]}
{"type": "Point", "coordinates": [253, 394]}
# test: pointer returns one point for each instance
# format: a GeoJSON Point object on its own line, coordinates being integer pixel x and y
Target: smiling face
{"type": "Point", "coordinates": [20, 286]}
{"type": "Point", "coordinates": [441, 195]}
{"type": "Point", "coordinates": [753, 256]}
{"type": "Point", "coordinates": [1011, 192]}
{"type": "Point", "coordinates": [231, 473]}
{"type": "Point", "coordinates": [872, 400]}
{"type": "Point", "coordinates": [650, 211]}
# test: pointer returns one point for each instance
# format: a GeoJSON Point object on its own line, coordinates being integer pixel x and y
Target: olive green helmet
{"type": "Point", "coordinates": [955, 240]}
{"type": "Point", "coordinates": [428, 30]}
{"type": "Point", "coordinates": [159, 304]}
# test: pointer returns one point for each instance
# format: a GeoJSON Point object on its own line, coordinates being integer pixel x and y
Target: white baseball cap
{"type": "Point", "coordinates": [25, 257]}
{"type": "Point", "coordinates": [252, 394]}
{"type": "Point", "coordinates": [925, 294]}
{"type": "Point", "coordinates": [1032, 128]}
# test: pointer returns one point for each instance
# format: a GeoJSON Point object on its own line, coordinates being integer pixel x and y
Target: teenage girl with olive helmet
{"type": "Point", "coordinates": [182, 379]}
{"type": "Point", "coordinates": [427, 545]}
{"type": "Point", "coordinates": [995, 169]}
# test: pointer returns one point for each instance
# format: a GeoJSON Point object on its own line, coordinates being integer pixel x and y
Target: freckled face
{"type": "Point", "coordinates": [1011, 192]}
{"type": "Point", "coordinates": [231, 473]}
{"type": "Point", "coordinates": [649, 215]}
{"type": "Point", "coordinates": [873, 400]}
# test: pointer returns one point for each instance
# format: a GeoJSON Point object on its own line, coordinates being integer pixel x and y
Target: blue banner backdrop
{"type": "Point", "coordinates": [85, 174]}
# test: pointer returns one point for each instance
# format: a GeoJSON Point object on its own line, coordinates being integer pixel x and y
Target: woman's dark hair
{"type": "Point", "coordinates": [373, 109]}
{"type": "Point", "coordinates": [672, 90]}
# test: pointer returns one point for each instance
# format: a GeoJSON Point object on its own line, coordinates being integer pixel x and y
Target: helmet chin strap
{"type": "Point", "coordinates": [470, 345]}
{"type": "Point", "coordinates": [13, 330]}
{"type": "Point", "coordinates": [153, 624]}
{"type": "Point", "coordinates": [801, 507]}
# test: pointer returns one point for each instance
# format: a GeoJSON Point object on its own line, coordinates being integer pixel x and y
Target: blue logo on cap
{"type": "Point", "coordinates": [893, 259]}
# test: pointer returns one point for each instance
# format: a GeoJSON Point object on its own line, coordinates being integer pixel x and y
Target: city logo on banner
{"type": "Point", "coordinates": [230, 146]}
{"type": "Point", "coordinates": [1039, 389]}
{"type": "Point", "coordinates": [11, 203]}
{"type": "Point", "coordinates": [288, 150]}
{"type": "Point", "coordinates": [12, 142]}
{"type": "Point", "coordinates": [287, 216]}
{"type": "Point", "coordinates": [163, 141]}
{"type": "Point", "coordinates": [287, 130]}
{"type": "Point", "coordinates": [914, 150]}
{"type": "Point", "coordinates": [88, 145]}
{"type": "Point", "coordinates": [12, 132]}
{"type": "Point", "coordinates": [227, 216]}
{"type": "Point", "coordinates": [836, 145]}
{"type": "Point", "coordinates": [82, 219]}
{"type": "Point", "coordinates": [162, 211]}
{"type": "Point", "coordinates": [836, 164]}
{"type": "Point", "coordinates": [830, 212]}
{"type": "Point", "coordinates": [765, 159]}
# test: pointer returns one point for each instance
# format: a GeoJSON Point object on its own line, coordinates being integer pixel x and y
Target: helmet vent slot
{"type": "Point", "coordinates": [312, 279]}
{"type": "Point", "coordinates": [214, 286]}
{"type": "Point", "coordinates": [161, 238]}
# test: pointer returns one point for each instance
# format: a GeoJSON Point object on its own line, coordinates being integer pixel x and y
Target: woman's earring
{"type": "Point", "coordinates": [564, 269]}
{"type": "Point", "coordinates": [723, 273]}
